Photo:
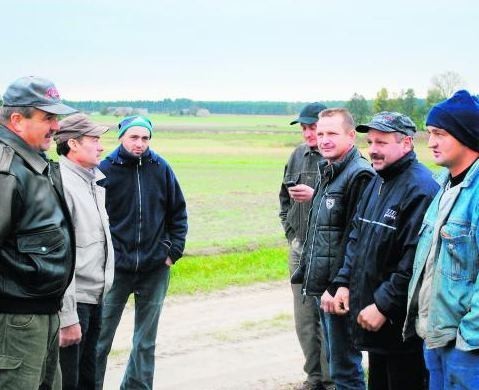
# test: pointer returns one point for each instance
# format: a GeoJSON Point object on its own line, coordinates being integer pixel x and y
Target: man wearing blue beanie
{"type": "Point", "coordinates": [148, 227]}
{"type": "Point", "coordinates": [443, 298]}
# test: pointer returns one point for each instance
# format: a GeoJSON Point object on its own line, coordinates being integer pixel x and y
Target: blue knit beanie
{"type": "Point", "coordinates": [459, 116]}
{"type": "Point", "coordinates": [135, 120]}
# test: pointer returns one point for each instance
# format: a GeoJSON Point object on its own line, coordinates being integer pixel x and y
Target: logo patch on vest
{"type": "Point", "coordinates": [390, 214]}
{"type": "Point", "coordinates": [330, 203]}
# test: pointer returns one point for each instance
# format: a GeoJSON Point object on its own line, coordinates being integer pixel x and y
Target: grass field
{"type": "Point", "coordinates": [230, 169]}
{"type": "Point", "coordinates": [222, 123]}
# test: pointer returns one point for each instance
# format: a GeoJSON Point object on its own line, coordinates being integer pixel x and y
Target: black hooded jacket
{"type": "Point", "coordinates": [380, 252]}
{"type": "Point", "coordinates": [146, 208]}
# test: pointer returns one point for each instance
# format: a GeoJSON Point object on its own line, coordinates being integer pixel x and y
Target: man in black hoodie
{"type": "Point", "coordinates": [374, 279]}
{"type": "Point", "coordinates": [148, 226]}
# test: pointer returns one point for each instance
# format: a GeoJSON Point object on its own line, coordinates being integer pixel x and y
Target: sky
{"type": "Point", "coordinates": [281, 50]}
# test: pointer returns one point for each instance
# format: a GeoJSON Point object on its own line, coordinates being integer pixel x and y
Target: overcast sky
{"type": "Point", "coordinates": [287, 50]}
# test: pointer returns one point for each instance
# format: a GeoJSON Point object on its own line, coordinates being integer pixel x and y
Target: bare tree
{"type": "Point", "coordinates": [447, 83]}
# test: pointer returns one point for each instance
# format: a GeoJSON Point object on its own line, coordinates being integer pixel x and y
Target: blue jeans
{"type": "Point", "coordinates": [78, 362]}
{"type": "Point", "coordinates": [344, 359]}
{"type": "Point", "coordinates": [149, 289]}
{"type": "Point", "coordinates": [450, 368]}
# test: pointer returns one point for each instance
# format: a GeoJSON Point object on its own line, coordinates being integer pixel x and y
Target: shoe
{"type": "Point", "coordinates": [309, 386]}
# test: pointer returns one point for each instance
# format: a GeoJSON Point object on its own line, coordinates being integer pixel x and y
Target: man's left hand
{"type": "Point", "coordinates": [370, 318]}
{"type": "Point", "coordinates": [169, 262]}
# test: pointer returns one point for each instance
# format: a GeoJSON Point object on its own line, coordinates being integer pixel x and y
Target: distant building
{"type": "Point", "coordinates": [202, 112]}
{"type": "Point", "coordinates": [126, 111]}
{"type": "Point", "coordinates": [194, 111]}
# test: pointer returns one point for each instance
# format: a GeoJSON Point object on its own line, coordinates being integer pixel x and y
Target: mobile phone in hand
{"type": "Point", "coordinates": [290, 184]}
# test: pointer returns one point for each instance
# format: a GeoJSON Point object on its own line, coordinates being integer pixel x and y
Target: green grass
{"type": "Point", "coordinates": [270, 123]}
{"type": "Point", "coordinates": [231, 184]}
{"type": "Point", "coordinates": [194, 274]}
{"type": "Point", "coordinates": [230, 173]}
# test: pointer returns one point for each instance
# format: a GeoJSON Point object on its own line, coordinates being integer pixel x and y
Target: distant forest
{"type": "Point", "coordinates": [404, 101]}
{"type": "Point", "coordinates": [226, 107]}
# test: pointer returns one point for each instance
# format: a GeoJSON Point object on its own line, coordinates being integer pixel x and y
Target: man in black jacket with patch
{"type": "Point", "coordinates": [37, 244]}
{"type": "Point", "coordinates": [379, 256]}
{"type": "Point", "coordinates": [343, 176]}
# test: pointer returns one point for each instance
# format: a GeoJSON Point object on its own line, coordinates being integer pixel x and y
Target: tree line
{"type": "Point", "coordinates": [175, 106]}
{"type": "Point", "coordinates": [405, 101]}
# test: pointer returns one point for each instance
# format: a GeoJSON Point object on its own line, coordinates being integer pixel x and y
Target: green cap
{"type": "Point", "coordinates": [135, 120]}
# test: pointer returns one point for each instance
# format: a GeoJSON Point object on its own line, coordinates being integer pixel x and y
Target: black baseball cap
{"type": "Point", "coordinates": [389, 122]}
{"type": "Point", "coordinates": [309, 114]}
{"type": "Point", "coordinates": [35, 92]}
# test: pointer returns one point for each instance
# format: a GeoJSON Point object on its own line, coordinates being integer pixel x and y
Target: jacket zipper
{"type": "Point", "coordinates": [50, 174]}
{"type": "Point", "coordinates": [380, 187]}
{"type": "Point", "coordinates": [139, 219]}
{"type": "Point", "coordinates": [314, 235]}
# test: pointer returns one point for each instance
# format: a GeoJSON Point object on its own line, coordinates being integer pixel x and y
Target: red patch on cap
{"type": "Point", "coordinates": [52, 93]}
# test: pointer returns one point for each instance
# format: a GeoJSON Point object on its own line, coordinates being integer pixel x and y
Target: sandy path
{"type": "Point", "coordinates": [241, 338]}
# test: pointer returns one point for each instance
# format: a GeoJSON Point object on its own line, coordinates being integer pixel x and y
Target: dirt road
{"type": "Point", "coordinates": [241, 338]}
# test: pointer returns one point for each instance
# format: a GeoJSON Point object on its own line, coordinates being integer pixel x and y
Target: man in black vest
{"type": "Point", "coordinates": [343, 176]}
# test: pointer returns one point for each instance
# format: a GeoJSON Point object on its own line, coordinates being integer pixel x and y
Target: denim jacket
{"type": "Point", "coordinates": [454, 303]}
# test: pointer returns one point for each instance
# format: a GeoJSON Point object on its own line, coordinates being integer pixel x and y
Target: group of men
{"type": "Point", "coordinates": [385, 258]}
{"type": "Point", "coordinates": [78, 237]}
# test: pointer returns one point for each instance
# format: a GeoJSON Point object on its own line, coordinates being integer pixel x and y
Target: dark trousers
{"type": "Point", "coordinates": [309, 328]}
{"type": "Point", "coordinates": [397, 372]}
{"type": "Point", "coordinates": [78, 362]}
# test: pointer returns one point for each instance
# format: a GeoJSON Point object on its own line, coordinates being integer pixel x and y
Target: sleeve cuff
{"type": "Point", "coordinates": [68, 318]}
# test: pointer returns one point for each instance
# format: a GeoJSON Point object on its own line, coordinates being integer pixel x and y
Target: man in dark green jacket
{"type": "Point", "coordinates": [37, 245]}
{"type": "Point", "coordinates": [299, 180]}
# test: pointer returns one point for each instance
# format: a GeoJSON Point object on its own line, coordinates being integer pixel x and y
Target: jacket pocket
{"type": "Point", "coordinates": [85, 239]}
{"type": "Point", "coordinates": [42, 262]}
{"type": "Point", "coordinates": [334, 210]}
{"type": "Point", "coordinates": [90, 253]}
{"type": "Point", "coordinates": [423, 247]}
{"type": "Point", "coordinates": [460, 252]}
{"type": "Point", "coordinates": [291, 178]}
{"type": "Point", "coordinates": [164, 249]}
{"type": "Point", "coordinates": [293, 217]}
{"type": "Point", "coordinates": [9, 362]}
